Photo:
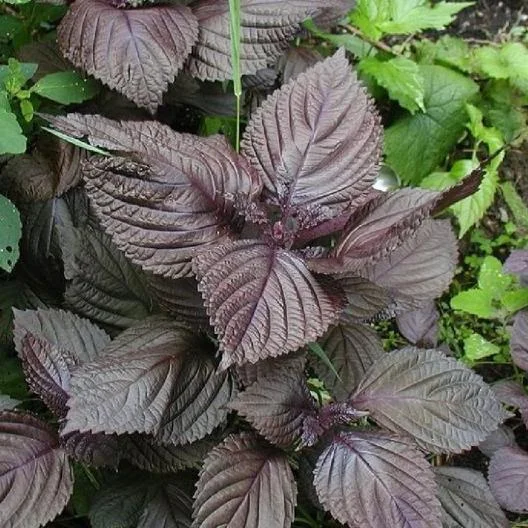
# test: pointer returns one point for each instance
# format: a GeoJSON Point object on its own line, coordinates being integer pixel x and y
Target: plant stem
{"type": "Point", "coordinates": [234, 27]}
{"type": "Point", "coordinates": [374, 43]}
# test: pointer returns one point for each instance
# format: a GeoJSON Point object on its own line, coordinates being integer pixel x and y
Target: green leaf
{"type": "Point", "coordinates": [77, 142]}
{"type": "Point", "coordinates": [12, 140]}
{"type": "Point", "coordinates": [471, 209]}
{"type": "Point", "coordinates": [26, 108]}
{"type": "Point", "coordinates": [515, 203]}
{"type": "Point", "coordinates": [9, 27]}
{"type": "Point", "coordinates": [515, 300]}
{"type": "Point", "coordinates": [416, 144]}
{"type": "Point", "coordinates": [492, 279]}
{"type": "Point", "coordinates": [66, 87]}
{"type": "Point", "coordinates": [475, 301]}
{"type": "Point", "coordinates": [400, 77]}
{"type": "Point", "coordinates": [476, 347]}
{"type": "Point", "coordinates": [12, 380]}
{"type": "Point", "coordinates": [15, 74]}
{"type": "Point", "coordinates": [508, 62]}
{"type": "Point", "coordinates": [10, 234]}
{"type": "Point", "coordinates": [4, 102]}
{"type": "Point", "coordinates": [446, 51]}
{"type": "Point", "coordinates": [369, 15]}
{"type": "Point", "coordinates": [411, 16]}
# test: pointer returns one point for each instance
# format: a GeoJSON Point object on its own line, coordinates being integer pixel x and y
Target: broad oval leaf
{"type": "Point", "coordinates": [161, 213]}
{"type": "Point", "coordinates": [512, 393]}
{"type": "Point", "coordinates": [262, 300]}
{"type": "Point", "coordinates": [35, 477]}
{"type": "Point", "coordinates": [316, 142]}
{"type": "Point", "coordinates": [352, 349]}
{"type": "Point", "coordinates": [508, 478]}
{"type": "Point", "coordinates": [266, 28]}
{"type": "Point", "coordinates": [420, 269]}
{"type": "Point", "coordinates": [501, 437]}
{"type": "Point", "coordinates": [277, 406]}
{"type": "Point", "coordinates": [467, 500]}
{"type": "Point", "coordinates": [245, 483]}
{"type": "Point", "coordinates": [103, 284]}
{"type": "Point", "coordinates": [158, 378]}
{"type": "Point", "coordinates": [134, 51]}
{"type": "Point", "coordinates": [439, 402]}
{"type": "Point", "coordinates": [373, 480]}
{"type": "Point", "coordinates": [519, 340]}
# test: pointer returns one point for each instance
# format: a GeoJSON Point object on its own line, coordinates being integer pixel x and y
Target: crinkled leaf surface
{"type": "Point", "coordinates": [93, 449]}
{"type": "Point", "coordinates": [51, 343]}
{"type": "Point", "coordinates": [263, 301]}
{"type": "Point", "coordinates": [357, 467]}
{"type": "Point", "coordinates": [508, 478]}
{"type": "Point", "coordinates": [266, 28]}
{"type": "Point", "coordinates": [245, 483]}
{"type": "Point", "coordinates": [439, 402]}
{"type": "Point", "coordinates": [104, 285]}
{"type": "Point", "coordinates": [421, 269]}
{"type": "Point", "coordinates": [316, 142]}
{"type": "Point", "coordinates": [35, 477]}
{"type": "Point", "coordinates": [159, 214]}
{"type": "Point", "coordinates": [467, 500]}
{"type": "Point", "coordinates": [134, 51]}
{"type": "Point", "coordinates": [158, 378]}
{"type": "Point", "coordinates": [145, 453]}
{"type": "Point", "coordinates": [512, 393]}
{"type": "Point", "coordinates": [420, 327]}
{"type": "Point", "coordinates": [352, 349]}
{"type": "Point", "coordinates": [519, 340]}
{"type": "Point", "coordinates": [277, 405]}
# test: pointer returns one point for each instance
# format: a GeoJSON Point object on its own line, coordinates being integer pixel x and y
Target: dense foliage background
{"type": "Point", "coordinates": [450, 80]}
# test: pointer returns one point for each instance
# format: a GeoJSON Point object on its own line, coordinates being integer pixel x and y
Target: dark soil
{"type": "Point", "coordinates": [489, 19]}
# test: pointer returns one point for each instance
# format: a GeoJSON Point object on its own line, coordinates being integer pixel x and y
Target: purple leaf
{"type": "Point", "coordinates": [352, 349]}
{"type": "Point", "coordinates": [51, 343]}
{"type": "Point", "coordinates": [508, 478]}
{"type": "Point", "coordinates": [382, 226]}
{"type": "Point", "coordinates": [245, 483]}
{"type": "Point", "coordinates": [420, 327]}
{"type": "Point", "coordinates": [92, 449]}
{"type": "Point", "coordinates": [155, 378]}
{"type": "Point", "coordinates": [297, 60]}
{"type": "Point", "coordinates": [277, 406]}
{"type": "Point", "coordinates": [262, 300]}
{"type": "Point", "coordinates": [141, 501]}
{"type": "Point", "coordinates": [519, 340]}
{"type": "Point", "coordinates": [372, 480]}
{"type": "Point", "coordinates": [439, 402]}
{"type": "Point", "coordinates": [517, 263]}
{"type": "Point", "coordinates": [145, 453]}
{"type": "Point", "coordinates": [266, 28]}
{"type": "Point", "coordinates": [50, 170]}
{"type": "Point", "coordinates": [104, 285]}
{"type": "Point", "coordinates": [365, 300]}
{"type": "Point", "coordinates": [420, 269]}
{"type": "Point", "coordinates": [316, 142]}
{"type": "Point", "coordinates": [161, 213]}
{"type": "Point", "coordinates": [35, 477]}
{"type": "Point", "coordinates": [179, 298]}
{"type": "Point", "coordinates": [512, 393]}
{"type": "Point", "coordinates": [501, 437]}
{"type": "Point", "coordinates": [249, 373]}
{"type": "Point", "coordinates": [137, 52]}
{"type": "Point", "coordinates": [467, 500]}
